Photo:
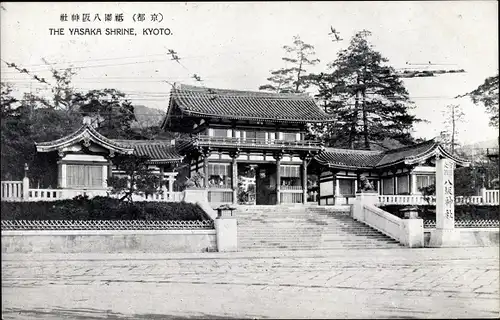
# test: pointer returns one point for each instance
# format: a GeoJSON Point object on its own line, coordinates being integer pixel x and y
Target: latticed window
{"type": "Point", "coordinates": [289, 136]}
{"type": "Point", "coordinates": [260, 135]}
{"type": "Point", "coordinates": [219, 175]}
{"type": "Point", "coordinates": [290, 176]}
{"type": "Point", "coordinates": [425, 180]}
{"type": "Point", "coordinates": [388, 186]}
{"type": "Point", "coordinates": [346, 186]}
{"type": "Point", "coordinates": [83, 176]}
{"type": "Point", "coordinates": [220, 133]}
{"type": "Point", "coordinates": [403, 185]}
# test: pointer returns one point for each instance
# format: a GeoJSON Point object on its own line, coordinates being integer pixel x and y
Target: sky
{"type": "Point", "coordinates": [234, 45]}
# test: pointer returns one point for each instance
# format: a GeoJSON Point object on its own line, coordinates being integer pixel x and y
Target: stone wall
{"type": "Point", "coordinates": [115, 241]}
{"type": "Point", "coordinates": [472, 237]}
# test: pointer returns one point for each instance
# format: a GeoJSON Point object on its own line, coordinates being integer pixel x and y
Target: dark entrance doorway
{"type": "Point", "coordinates": [265, 183]}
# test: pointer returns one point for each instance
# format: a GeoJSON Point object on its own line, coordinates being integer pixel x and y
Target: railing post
{"type": "Point", "coordinates": [26, 188]}
{"type": "Point", "coordinates": [482, 191]}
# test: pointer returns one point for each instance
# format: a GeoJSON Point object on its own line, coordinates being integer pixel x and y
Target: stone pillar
{"type": "Point", "coordinates": [363, 198]}
{"type": "Point", "coordinates": [26, 187]}
{"type": "Point", "coordinates": [304, 180]}
{"type": "Point", "coordinates": [227, 234]}
{"type": "Point", "coordinates": [171, 179]}
{"type": "Point", "coordinates": [482, 193]}
{"type": "Point", "coordinates": [445, 234]}
{"type": "Point", "coordinates": [278, 158]}
{"type": "Point", "coordinates": [412, 229]}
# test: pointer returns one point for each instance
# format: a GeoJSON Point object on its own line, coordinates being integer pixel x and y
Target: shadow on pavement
{"type": "Point", "coordinates": [93, 314]}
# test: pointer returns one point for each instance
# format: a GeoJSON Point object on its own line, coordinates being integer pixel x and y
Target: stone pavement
{"type": "Point", "coordinates": [375, 283]}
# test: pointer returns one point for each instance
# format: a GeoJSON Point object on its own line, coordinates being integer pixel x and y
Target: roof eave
{"type": "Point", "coordinates": [84, 132]}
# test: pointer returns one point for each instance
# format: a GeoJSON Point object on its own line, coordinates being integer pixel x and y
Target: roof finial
{"type": "Point", "coordinates": [87, 120]}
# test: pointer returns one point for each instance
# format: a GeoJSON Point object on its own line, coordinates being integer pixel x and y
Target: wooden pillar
{"type": "Point", "coordinates": [304, 180]}
{"type": "Point", "coordinates": [278, 157]}
{"type": "Point", "coordinates": [171, 179]}
{"type": "Point", "coordinates": [234, 175]}
{"type": "Point", "coordinates": [394, 182]}
{"type": "Point", "coordinates": [205, 171]}
{"type": "Point", "coordinates": [337, 188]}
{"type": "Point", "coordinates": [357, 182]}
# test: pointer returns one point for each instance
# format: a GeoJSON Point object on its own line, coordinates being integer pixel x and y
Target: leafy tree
{"type": "Point", "coordinates": [366, 96]}
{"type": "Point", "coordinates": [36, 118]}
{"type": "Point", "coordinates": [137, 178]}
{"type": "Point", "coordinates": [487, 94]}
{"type": "Point", "coordinates": [107, 107]}
{"type": "Point", "coordinates": [292, 79]}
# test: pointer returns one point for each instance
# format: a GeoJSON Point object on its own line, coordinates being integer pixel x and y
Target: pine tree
{"type": "Point", "coordinates": [453, 117]}
{"type": "Point", "coordinates": [487, 94]}
{"type": "Point", "coordinates": [366, 96]}
{"type": "Point", "coordinates": [292, 79]}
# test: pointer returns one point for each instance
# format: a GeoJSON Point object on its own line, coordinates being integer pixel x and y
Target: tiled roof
{"type": "Point", "coordinates": [362, 159]}
{"type": "Point", "coordinates": [399, 154]}
{"type": "Point", "coordinates": [159, 151]}
{"type": "Point", "coordinates": [350, 158]}
{"type": "Point", "coordinates": [84, 132]}
{"type": "Point", "coordinates": [247, 105]}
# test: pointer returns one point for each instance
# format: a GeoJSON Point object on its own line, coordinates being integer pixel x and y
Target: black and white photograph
{"type": "Point", "coordinates": [250, 160]}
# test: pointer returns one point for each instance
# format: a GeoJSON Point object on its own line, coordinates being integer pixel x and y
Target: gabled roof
{"type": "Point", "coordinates": [362, 159]}
{"type": "Point", "coordinates": [245, 105]}
{"type": "Point", "coordinates": [85, 133]}
{"type": "Point", "coordinates": [349, 158]}
{"type": "Point", "coordinates": [158, 151]}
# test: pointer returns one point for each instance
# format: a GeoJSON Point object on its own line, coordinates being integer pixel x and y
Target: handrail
{"type": "Point", "coordinates": [383, 221]}
{"type": "Point", "coordinates": [256, 141]}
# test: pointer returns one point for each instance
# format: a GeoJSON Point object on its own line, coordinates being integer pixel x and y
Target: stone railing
{"type": "Point", "coordinates": [467, 224]}
{"type": "Point", "coordinates": [62, 194]}
{"type": "Point", "coordinates": [409, 232]}
{"type": "Point", "coordinates": [405, 199]}
{"type": "Point", "coordinates": [219, 195]}
{"type": "Point", "coordinates": [11, 190]}
{"type": "Point", "coordinates": [490, 198]}
{"type": "Point", "coordinates": [14, 192]}
{"type": "Point", "coordinates": [105, 225]}
{"type": "Point", "coordinates": [160, 197]}
{"type": "Point", "coordinates": [383, 221]}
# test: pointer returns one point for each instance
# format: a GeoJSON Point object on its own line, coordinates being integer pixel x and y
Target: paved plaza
{"type": "Point", "coordinates": [376, 283]}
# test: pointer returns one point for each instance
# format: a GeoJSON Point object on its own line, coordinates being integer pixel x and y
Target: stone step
{"type": "Point", "coordinates": [386, 246]}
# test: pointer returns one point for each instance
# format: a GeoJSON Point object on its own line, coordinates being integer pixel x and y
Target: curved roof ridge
{"type": "Point", "coordinates": [191, 88]}
{"type": "Point", "coordinates": [48, 146]}
{"type": "Point", "coordinates": [416, 145]}
{"type": "Point", "coordinates": [354, 150]}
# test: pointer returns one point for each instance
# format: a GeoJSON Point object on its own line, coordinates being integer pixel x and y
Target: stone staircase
{"type": "Point", "coordinates": [304, 227]}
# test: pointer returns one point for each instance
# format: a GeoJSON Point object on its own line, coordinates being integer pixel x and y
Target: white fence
{"type": "Point", "coordinates": [12, 190]}
{"type": "Point", "coordinates": [405, 199]}
{"type": "Point", "coordinates": [489, 198]}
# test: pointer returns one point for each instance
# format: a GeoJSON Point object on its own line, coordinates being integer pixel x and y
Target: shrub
{"type": "Point", "coordinates": [463, 212]}
{"type": "Point", "coordinates": [101, 208]}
